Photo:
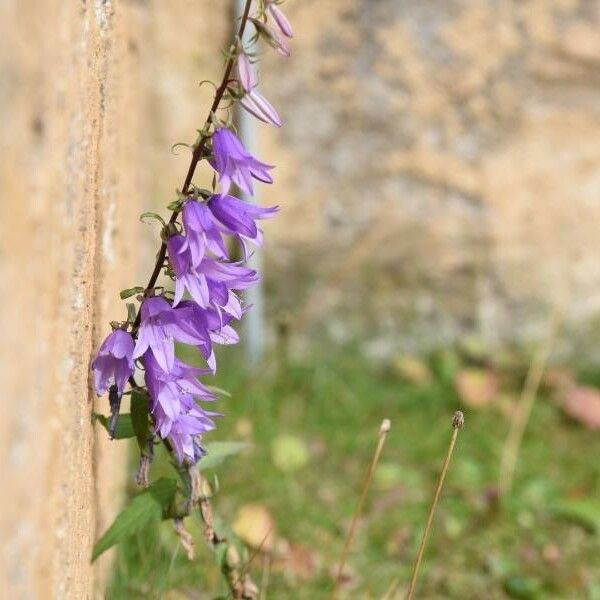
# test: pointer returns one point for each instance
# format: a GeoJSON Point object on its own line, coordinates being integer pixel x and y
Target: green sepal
{"type": "Point", "coordinates": [131, 292]}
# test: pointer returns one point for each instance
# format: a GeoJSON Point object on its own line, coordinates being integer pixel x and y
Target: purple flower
{"type": "Point", "coordinates": [156, 332]}
{"type": "Point", "coordinates": [186, 276]}
{"type": "Point", "coordinates": [201, 232]}
{"type": "Point", "coordinates": [238, 217]}
{"type": "Point", "coordinates": [197, 278]}
{"type": "Point", "coordinates": [202, 326]}
{"type": "Point", "coordinates": [280, 19]}
{"type": "Point", "coordinates": [235, 164]}
{"type": "Point", "coordinates": [114, 363]}
{"type": "Point", "coordinates": [176, 414]}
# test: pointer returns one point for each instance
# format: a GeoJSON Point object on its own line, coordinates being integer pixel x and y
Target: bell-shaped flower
{"type": "Point", "coordinates": [202, 233]}
{"type": "Point", "coordinates": [235, 164]}
{"type": "Point", "coordinates": [237, 217]}
{"type": "Point", "coordinates": [113, 364]}
{"type": "Point", "coordinates": [156, 332]}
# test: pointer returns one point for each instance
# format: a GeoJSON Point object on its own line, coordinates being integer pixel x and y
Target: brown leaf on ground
{"type": "Point", "coordinates": [413, 370]}
{"type": "Point", "coordinates": [559, 379]}
{"type": "Point", "coordinates": [255, 526]}
{"type": "Point", "coordinates": [582, 404]}
{"type": "Point", "coordinates": [298, 563]}
{"type": "Point", "coordinates": [477, 388]}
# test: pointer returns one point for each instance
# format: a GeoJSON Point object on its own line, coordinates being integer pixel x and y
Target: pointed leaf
{"type": "Point", "coordinates": [145, 508]}
{"type": "Point", "coordinates": [140, 419]}
{"type": "Point", "coordinates": [124, 428]}
{"type": "Point", "coordinates": [217, 452]}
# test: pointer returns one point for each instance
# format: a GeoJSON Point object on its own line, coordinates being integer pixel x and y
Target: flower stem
{"type": "Point", "coordinates": [458, 420]}
{"type": "Point", "coordinates": [521, 415]}
{"type": "Point", "coordinates": [383, 432]}
{"type": "Point", "coordinates": [196, 157]}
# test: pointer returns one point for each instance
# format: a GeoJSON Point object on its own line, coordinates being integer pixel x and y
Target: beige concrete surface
{"type": "Point", "coordinates": [71, 182]}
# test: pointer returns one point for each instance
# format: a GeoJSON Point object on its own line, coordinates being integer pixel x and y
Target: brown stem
{"type": "Point", "coordinates": [196, 157]}
{"type": "Point", "coordinates": [383, 432]}
{"type": "Point", "coordinates": [241, 585]}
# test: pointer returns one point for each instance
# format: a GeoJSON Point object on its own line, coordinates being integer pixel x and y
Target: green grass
{"type": "Point", "coordinates": [334, 404]}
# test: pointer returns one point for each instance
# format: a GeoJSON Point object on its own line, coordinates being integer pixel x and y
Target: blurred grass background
{"type": "Point", "coordinates": [313, 425]}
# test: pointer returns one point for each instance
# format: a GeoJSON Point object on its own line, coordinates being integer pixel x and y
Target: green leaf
{"type": "Point", "coordinates": [219, 391]}
{"type": "Point", "coordinates": [131, 312]}
{"type": "Point", "coordinates": [152, 215]}
{"type": "Point", "coordinates": [148, 506]}
{"type": "Point", "coordinates": [585, 511]}
{"type": "Point", "coordinates": [217, 452]}
{"type": "Point", "coordinates": [175, 205]}
{"type": "Point", "coordinates": [140, 419]}
{"type": "Point", "coordinates": [131, 292]}
{"type": "Point", "coordinates": [124, 426]}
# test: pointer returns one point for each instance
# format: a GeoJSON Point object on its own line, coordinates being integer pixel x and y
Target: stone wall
{"type": "Point", "coordinates": [440, 169]}
{"type": "Point", "coordinates": [71, 112]}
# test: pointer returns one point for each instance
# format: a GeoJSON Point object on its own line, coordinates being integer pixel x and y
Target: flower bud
{"type": "Point", "coordinates": [256, 104]}
{"type": "Point", "coordinates": [246, 73]}
{"type": "Point", "coordinates": [280, 19]}
{"type": "Point", "coordinates": [271, 37]}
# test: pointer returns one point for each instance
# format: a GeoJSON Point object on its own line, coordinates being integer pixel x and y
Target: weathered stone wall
{"type": "Point", "coordinates": [439, 171]}
{"type": "Point", "coordinates": [71, 113]}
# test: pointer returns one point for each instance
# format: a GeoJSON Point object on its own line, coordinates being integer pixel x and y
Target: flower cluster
{"type": "Point", "coordinates": [201, 265]}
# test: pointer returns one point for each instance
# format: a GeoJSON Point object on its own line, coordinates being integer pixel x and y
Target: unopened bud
{"type": "Point", "coordinates": [458, 420]}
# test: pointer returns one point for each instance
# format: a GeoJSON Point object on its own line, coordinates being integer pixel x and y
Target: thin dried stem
{"type": "Point", "coordinates": [458, 420]}
{"type": "Point", "coordinates": [383, 432]}
{"type": "Point", "coordinates": [241, 585]}
{"type": "Point", "coordinates": [522, 414]}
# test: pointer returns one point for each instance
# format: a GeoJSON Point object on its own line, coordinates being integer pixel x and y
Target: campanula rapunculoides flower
{"type": "Point", "coordinates": [238, 217]}
{"type": "Point", "coordinates": [186, 277]}
{"type": "Point", "coordinates": [156, 332]}
{"type": "Point", "coordinates": [235, 164]}
{"type": "Point", "coordinates": [201, 232]}
{"type": "Point", "coordinates": [168, 387]}
{"type": "Point", "coordinates": [201, 327]}
{"type": "Point", "coordinates": [280, 19]}
{"type": "Point", "coordinates": [114, 363]}
{"type": "Point", "coordinates": [176, 414]}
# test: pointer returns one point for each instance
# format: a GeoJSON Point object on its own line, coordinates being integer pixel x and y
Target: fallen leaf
{"type": "Point", "coordinates": [413, 370]}
{"type": "Point", "coordinates": [289, 453]}
{"type": "Point", "coordinates": [255, 526]}
{"type": "Point", "coordinates": [477, 388]}
{"type": "Point", "coordinates": [298, 563]}
{"type": "Point", "coordinates": [583, 404]}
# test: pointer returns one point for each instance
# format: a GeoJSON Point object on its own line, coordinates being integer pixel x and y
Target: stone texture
{"type": "Point", "coordinates": [438, 170]}
{"type": "Point", "coordinates": [71, 111]}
